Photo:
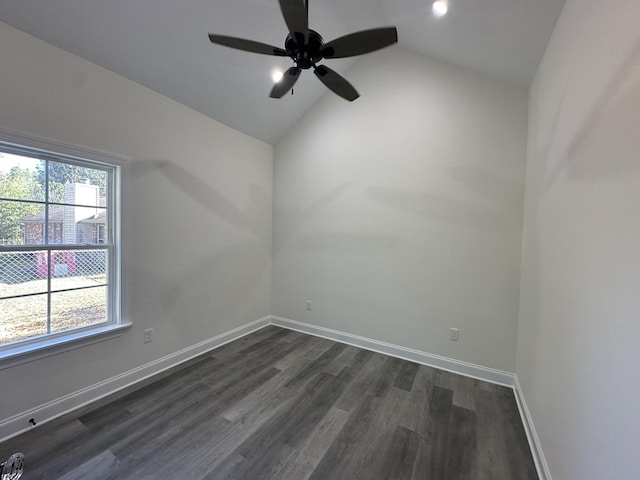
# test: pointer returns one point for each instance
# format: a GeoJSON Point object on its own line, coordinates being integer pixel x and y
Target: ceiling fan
{"type": "Point", "coordinates": [306, 48]}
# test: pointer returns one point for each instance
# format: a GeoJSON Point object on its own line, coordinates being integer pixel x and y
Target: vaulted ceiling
{"type": "Point", "coordinates": [163, 45]}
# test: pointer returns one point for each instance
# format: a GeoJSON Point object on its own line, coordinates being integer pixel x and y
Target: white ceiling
{"type": "Point", "coordinates": [163, 45]}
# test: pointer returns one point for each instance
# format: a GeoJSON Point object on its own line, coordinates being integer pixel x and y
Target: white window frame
{"type": "Point", "coordinates": [51, 344]}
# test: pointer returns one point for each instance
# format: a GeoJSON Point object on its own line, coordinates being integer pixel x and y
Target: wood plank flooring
{"type": "Point", "coordinates": [279, 404]}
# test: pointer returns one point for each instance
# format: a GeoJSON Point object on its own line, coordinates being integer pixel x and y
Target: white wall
{"type": "Point", "coordinates": [200, 211]}
{"type": "Point", "coordinates": [399, 215]}
{"type": "Point", "coordinates": [579, 332]}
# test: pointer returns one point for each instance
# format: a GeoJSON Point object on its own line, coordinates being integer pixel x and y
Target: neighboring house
{"type": "Point", "coordinates": [34, 226]}
{"type": "Point", "coordinates": [82, 221]}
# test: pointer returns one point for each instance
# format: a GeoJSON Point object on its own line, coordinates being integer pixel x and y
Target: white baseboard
{"type": "Point", "coordinates": [15, 425]}
{"type": "Point", "coordinates": [451, 365]}
{"type": "Point", "coordinates": [534, 442]}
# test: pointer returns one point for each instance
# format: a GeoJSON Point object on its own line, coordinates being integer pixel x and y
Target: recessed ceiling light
{"type": "Point", "coordinates": [440, 7]}
{"type": "Point", "coordinates": [276, 76]}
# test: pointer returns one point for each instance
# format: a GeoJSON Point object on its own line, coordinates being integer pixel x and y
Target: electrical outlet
{"type": "Point", "coordinates": [454, 334]}
{"type": "Point", "coordinates": [308, 304]}
{"type": "Point", "coordinates": [148, 335]}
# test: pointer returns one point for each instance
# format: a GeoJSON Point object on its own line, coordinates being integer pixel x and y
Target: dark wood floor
{"type": "Point", "coordinates": [284, 405]}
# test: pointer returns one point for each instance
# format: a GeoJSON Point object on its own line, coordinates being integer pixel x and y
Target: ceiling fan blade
{"type": "Point", "coordinates": [336, 83]}
{"type": "Point", "coordinates": [360, 42]}
{"type": "Point", "coordinates": [296, 16]}
{"type": "Point", "coordinates": [247, 45]}
{"type": "Point", "coordinates": [289, 79]}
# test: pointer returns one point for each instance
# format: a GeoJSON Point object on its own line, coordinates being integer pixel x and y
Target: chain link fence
{"type": "Point", "coordinates": [73, 281]}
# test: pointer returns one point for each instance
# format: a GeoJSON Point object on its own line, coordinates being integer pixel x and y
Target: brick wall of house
{"type": "Point", "coordinates": [33, 233]}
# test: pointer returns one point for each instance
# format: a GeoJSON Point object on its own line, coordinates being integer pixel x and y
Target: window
{"type": "Point", "coordinates": [59, 247]}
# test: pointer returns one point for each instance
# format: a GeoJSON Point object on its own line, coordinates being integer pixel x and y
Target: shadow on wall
{"type": "Point", "coordinates": [448, 210]}
{"type": "Point", "coordinates": [489, 186]}
{"type": "Point", "coordinates": [344, 241]}
{"type": "Point", "coordinates": [603, 147]}
{"type": "Point", "coordinates": [230, 275]}
{"type": "Point", "coordinates": [213, 287]}
{"type": "Point", "coordinates": [600, 149]}
{"type": "Point", "coordinates": [347, 242]}
{"type": "Point", "coordinates": [537, 185]}
{"type": "Point", "coordinates": [608, 133]}
{"type": "Point", "coordinates": [203, 193]}
{"type": "Point", "coordinates": [296, 217]}
{"type": "Point", "coordinates": [221, 277]}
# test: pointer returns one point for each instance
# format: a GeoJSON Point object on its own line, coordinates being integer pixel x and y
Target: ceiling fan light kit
{"type": "Point", "coordinates": [307, 48]}
{"type": "Point", "coordinates": [440, 7]}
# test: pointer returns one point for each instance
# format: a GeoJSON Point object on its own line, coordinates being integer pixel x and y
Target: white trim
{"type": "Point", "coordinates": [25, 144]}
{"type": "Point", "coordinates": [534, 442]}
{"type": "Point", "coordinates": [15, 425]}
{"type": "Point", "coordinates": [449, 364]}
{"type": "Point", "coordinates": [30, 351]}
{"type": "Point", "coordinates": [46, 145]}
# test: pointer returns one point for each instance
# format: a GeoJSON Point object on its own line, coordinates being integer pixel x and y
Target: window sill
{"type": "Point", "coordinates": [12, 356]}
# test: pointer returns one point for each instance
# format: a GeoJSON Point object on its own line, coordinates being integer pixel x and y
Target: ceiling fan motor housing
{"type": "Point", "coordinates": [304, 54]}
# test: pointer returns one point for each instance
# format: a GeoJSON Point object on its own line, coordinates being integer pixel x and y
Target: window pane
{"type": "Point", "coordinates": [24, 224]}
{"type": "Point", "coordinates": [22, 273]}
{"type": "Point", "coordinates": [78, 268]}
{"type": "Point", "coordinates": [79, 226]}
{"type": "Point", "coordinates": [78, 308]}
{"type": "Point", "coordinates": [22, 318]}
{"type": "Point", "coordinates": [21, 178]}
{"type": "Point", "coordinates": [21, 223]}
{"type": "Point", "coordinates": [77, 185]}
{"type": "Point", "coordinates": [49, 201]}
{"type": "Point", "coordinates": [56, 228]}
